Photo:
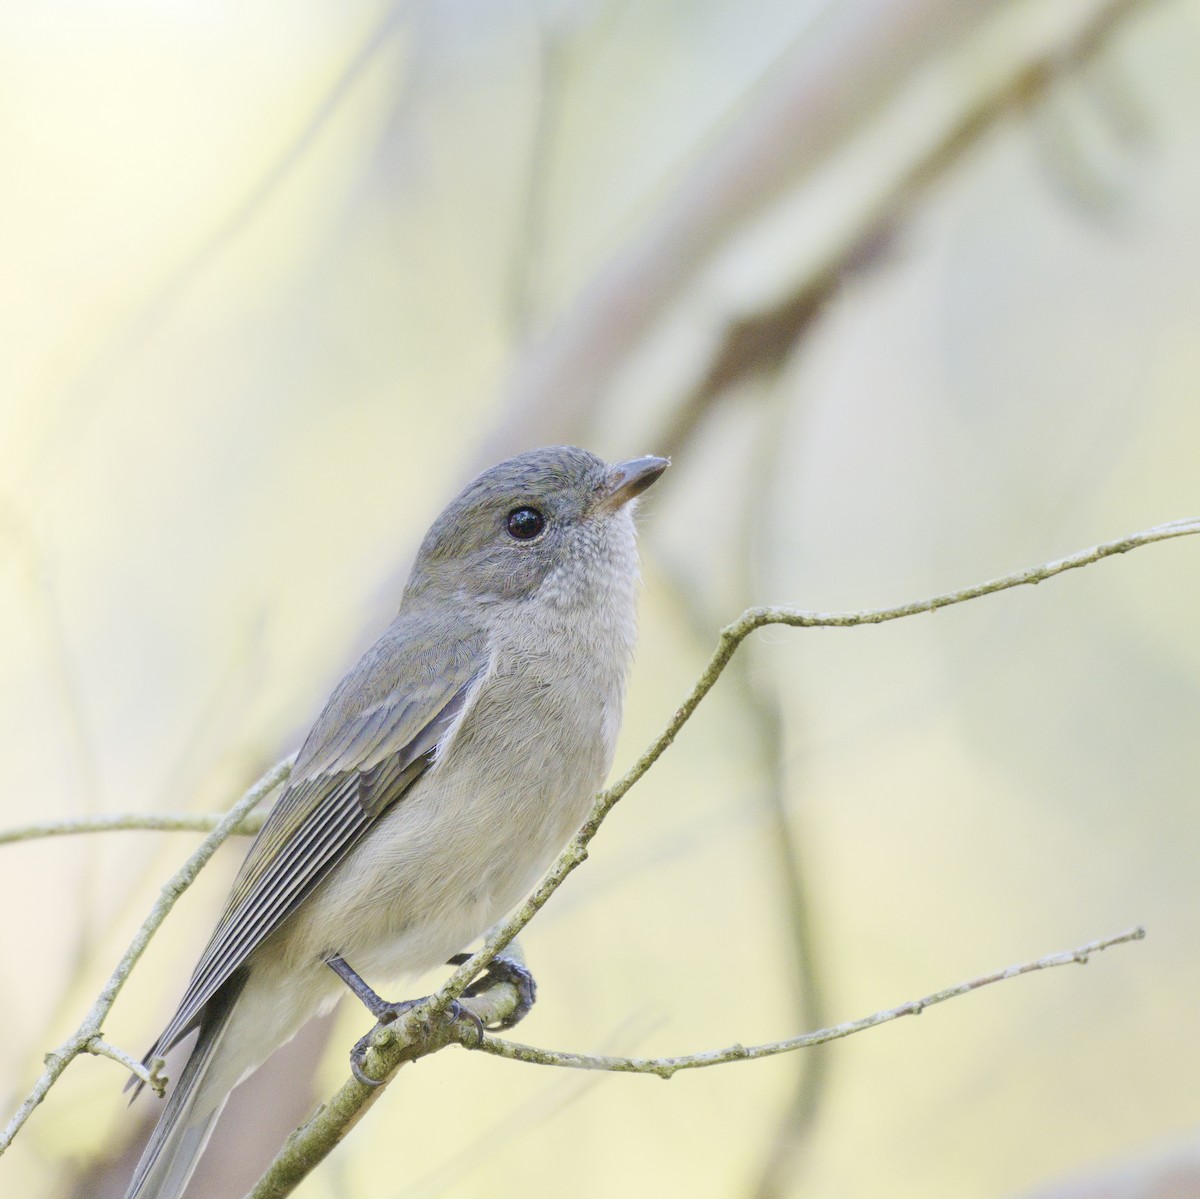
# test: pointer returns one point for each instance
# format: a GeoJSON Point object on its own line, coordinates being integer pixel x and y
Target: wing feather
{"type": "Point", "coordinates": [376, 736]}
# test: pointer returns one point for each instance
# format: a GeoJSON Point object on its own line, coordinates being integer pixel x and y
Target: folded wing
{"type": "Point", "coordinates": [374, 739]}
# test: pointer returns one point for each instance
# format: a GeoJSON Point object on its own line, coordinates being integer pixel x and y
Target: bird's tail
{"type": "Point", "coordinates": [191, 1112]}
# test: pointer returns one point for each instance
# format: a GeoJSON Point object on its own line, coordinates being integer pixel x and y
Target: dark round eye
{"type": "Point", "coordinates": [525, 523]}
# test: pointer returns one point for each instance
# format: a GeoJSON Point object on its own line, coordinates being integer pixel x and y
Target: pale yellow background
{"type": "Point", "coordinates": [223, 430]}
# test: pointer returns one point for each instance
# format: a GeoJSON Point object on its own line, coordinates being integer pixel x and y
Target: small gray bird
{"type": "Point", "coordinates": [446, 771]}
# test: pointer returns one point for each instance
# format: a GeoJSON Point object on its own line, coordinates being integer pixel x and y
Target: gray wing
{"type": "Point", "coordinates": [376, 736]}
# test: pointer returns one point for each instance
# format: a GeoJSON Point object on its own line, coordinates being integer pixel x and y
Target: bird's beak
{"type": "Point", "coordinates": [629, 479]}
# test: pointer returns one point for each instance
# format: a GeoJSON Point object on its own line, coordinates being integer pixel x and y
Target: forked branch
{"type": "Point", "coordinates": [430, 1023]}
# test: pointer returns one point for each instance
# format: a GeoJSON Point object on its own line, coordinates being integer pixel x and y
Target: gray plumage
{"type": "Point", "coordinates": [445, 772]}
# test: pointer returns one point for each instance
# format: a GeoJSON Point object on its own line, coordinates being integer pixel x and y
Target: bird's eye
{"type": "Point", "coordinates": [525, 523]}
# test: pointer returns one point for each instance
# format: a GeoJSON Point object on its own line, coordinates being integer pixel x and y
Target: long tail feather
{"type": "Point", "coordinates": [191, 1112]}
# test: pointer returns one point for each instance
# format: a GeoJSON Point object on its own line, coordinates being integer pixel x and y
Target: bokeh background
{"type": "Point", "coordinates": [910, 289]}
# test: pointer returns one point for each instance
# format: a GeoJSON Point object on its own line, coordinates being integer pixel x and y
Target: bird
{"type": "Point", "coordinates": [442, 777]}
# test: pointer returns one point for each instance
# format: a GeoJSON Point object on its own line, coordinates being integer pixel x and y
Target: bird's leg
{"type": "Point", "coordinates": [380, 1008]}
{"type": "Point", "coordinates": [384, 1013]}
{"type": "Point", "coordinates": [503, 970]}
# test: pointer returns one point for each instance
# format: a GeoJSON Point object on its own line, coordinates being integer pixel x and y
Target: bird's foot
{"type": "Point", "coordinates": [503, 970]}
{"type": "Point", "coordinates": [389, 1013]}
{"type": "Point", "coordinates": [456, 1013]}
{"type": "Point", "coordinates": [386, 1012]}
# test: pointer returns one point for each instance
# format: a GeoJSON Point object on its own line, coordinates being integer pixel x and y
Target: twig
{"type": "Point", "coordinates": [427, 1026]}
{"type": "Point", "coordinates": [171, 822]}
{"type": "Point", "coordinates": [732, 636]}
{"type": "Point", "coordinates": [411, 1037]}
{"type": "Point", "coordinates": [666, 1067]}
{"type": "Point", "coordinates": [78, 1042]}
{"type": "Point", "coordinates": [151, 1075]}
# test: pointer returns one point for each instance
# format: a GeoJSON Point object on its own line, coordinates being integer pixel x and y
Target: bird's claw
{"type": "Point", "coordinates": [357, 1054]}
{"type": "Point", "coordinates": [456, 1013]}
{"type": "Point", "coordinates": [508, 970]}
{"type": "Point", "coordinates": [384, 1015]}
{"type": "Point", "coordinates": [501, 970]}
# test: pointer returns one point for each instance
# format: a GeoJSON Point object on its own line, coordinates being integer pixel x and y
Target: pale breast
{"type": "Point", "coordinates": [474, 834]}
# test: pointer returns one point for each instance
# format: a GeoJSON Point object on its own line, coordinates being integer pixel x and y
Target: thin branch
{"type": "Point", "coordinates": [731, 637]}
{"type": "Point", "coordinates": [59, 1059]}
{"type": "Point", "coordinates": [413, 1036]}
{"type": "Point", "coordinates": [431, 1025]}
{"type": "Point", "coordinates": [151, 1075]}
{"type": "Point", "coordinates": [666, 1067]}
{"type": "Point", "coordinates": [169, 822]}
